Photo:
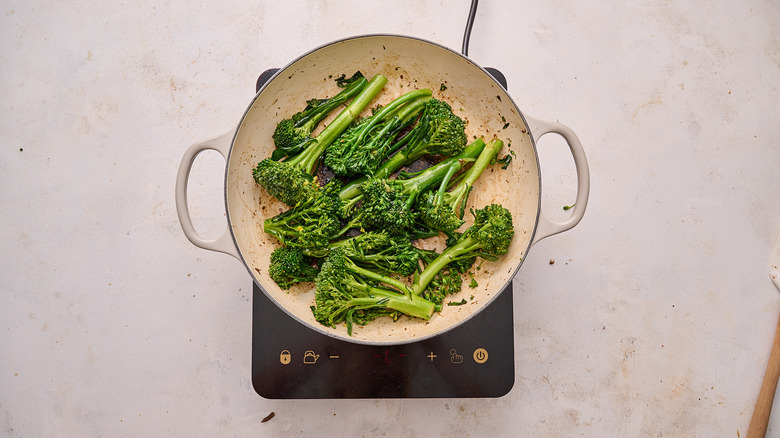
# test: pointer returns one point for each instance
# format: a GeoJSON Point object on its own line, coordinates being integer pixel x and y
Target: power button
{"type": "Point", "coordinates": [480, 355]}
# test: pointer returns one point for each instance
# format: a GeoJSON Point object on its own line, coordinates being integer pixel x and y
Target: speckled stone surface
{"type": "Point", "coordinates": [655, 319]}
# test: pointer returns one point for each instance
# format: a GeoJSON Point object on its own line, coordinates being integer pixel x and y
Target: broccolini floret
{"type": "Point", "coordinates": [387, 204]}
{"type": "Point", "coordinates": [312, 223]}
{"type": "Point", "coordinates": [439, 131]}
{"type": "Point", "coordinates": [367, 143]}
{"type": "Point", "coordinates": [289, 266]}
{"type": "Point", "coordinates": [293, 134]}
{"type": "Point", "coordinates": [488, 237]}
{"type": "Point", "coordinates": [376, 250]}
{"type": "Point", "coordinates": [283, 179]}
{"type": "Point", "coordinates": [443, 210]}
{"type": "Point", "coordinates": [446, 282]}
{"type": "Point", "coordinates": [351, 294]}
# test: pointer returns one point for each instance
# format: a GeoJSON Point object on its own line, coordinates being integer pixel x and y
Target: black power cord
{"type": "Point", "coordinates": [469, 25]}
{"type": "Point", "coordinates": [465, 50]}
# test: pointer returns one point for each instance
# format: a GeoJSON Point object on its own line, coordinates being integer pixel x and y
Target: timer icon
{"type": "Point", "coordinates": [480, 355]}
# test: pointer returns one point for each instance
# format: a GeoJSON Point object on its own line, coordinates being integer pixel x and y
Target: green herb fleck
{"type": "Point", "coordinates": [457, 303]}
{"type": "Point", "coordinates": [504, 162]}
{"type": "Point", "coordinates": [473, 283]}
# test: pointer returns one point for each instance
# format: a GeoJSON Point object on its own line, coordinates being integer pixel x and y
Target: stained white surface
{"type": "Point", "coordinates": [656, 318]}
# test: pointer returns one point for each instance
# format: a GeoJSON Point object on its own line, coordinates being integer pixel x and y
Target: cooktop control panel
{"type": "Point", "coordinates": [292, 361]}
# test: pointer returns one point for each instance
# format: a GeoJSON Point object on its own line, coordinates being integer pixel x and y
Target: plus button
{"type": "Point", "coordinates": [431, 356]}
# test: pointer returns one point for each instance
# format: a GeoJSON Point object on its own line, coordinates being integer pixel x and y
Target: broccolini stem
{"type": "Point", "coordinates": [470, 176]}
{"type": "Point", "coordinates": [483, 161]}
{"type": "Point", "coordinates": [390, 110]}
{"type": "Point", "coordinates": [351, 191]}
{"type": "Point", "coordinates": [445, 169]}
{"type": "Point", "coordinates": [324, 110]}
{"type": "Point", "coordinates": [428, 179]}
{"type": "Point", "coordinates": [446, 182]}
{"type": "Point", "coordinates": [401, 286]}
{"type": "Point", "coordinates": [308, 160]}
{"type": "Point", "coordinates": [411, 304]}
{"type": "Point", "coordinates": [453, 252]}
{"type": "Point", "coordinates": [397, 161]}
{"type": "Point", "coordinates": [412, 108]}
{"type": "Point", "coordinates": [407, 114]}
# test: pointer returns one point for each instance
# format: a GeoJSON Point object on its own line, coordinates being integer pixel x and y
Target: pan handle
{"type": "Point", "coordinates": [224, 243]}
{"type": "Point", "coordinates": [545, 226]}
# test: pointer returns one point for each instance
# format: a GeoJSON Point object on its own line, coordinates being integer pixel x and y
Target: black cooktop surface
{"type": "Point", "coordinates": [292, 361]}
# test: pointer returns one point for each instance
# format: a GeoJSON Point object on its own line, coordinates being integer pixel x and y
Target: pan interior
{"type": "Point", "coordinates": [408, 64]}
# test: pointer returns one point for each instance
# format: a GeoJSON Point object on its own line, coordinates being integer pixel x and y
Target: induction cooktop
{"type": "Point", "coordinates": [474, 359]}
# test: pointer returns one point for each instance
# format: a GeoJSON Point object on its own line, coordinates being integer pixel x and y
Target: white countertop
{"type": "Point", "coordinates": [655, 320]}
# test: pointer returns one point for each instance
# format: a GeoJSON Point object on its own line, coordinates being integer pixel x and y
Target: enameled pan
{"type": "Point", "coordinates": [408, 63]}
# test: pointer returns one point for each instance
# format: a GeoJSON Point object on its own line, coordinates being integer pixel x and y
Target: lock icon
{"type": "Point", "coordinates": [284, 357]}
